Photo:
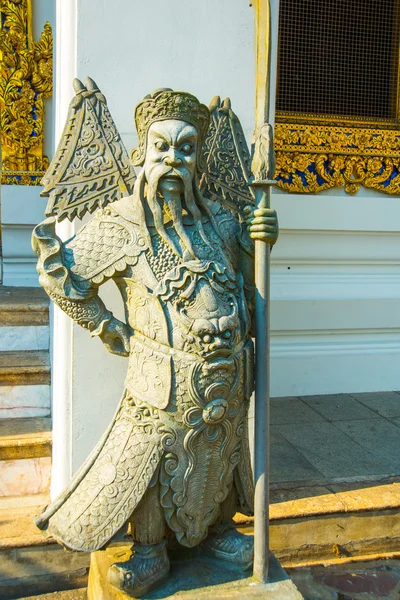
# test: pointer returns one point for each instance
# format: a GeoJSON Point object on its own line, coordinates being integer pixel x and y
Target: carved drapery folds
{"type": "Point", "coordinates": [25, 82]}
{"type": "Point", "coordinates": [311, 158]}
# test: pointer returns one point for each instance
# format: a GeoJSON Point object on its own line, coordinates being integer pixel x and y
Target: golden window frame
{"type": "Point", "coordinates": [315, 153]}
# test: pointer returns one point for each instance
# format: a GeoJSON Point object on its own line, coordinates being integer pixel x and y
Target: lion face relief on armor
{"type": "Point", "coordinates": [211, 320]}
{"type": "Point", "coordinates": [212, 336]}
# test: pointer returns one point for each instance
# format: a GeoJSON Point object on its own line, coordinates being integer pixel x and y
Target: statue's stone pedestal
{"type": "Point", "coordinates": [193, 576]}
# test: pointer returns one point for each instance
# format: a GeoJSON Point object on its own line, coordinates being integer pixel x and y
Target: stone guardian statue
{"type": "Point", "coordinates": [177, 240]}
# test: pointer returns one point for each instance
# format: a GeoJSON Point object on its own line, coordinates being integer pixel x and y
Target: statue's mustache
{"type": "Point", "coordinates": [163, 170]}
{"type": "Point", "coordinates": [173, 172]}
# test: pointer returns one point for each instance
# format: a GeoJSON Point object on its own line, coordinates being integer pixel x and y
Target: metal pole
{"type": "Point", "coordinates": [262, 167]}
{"type": "Point", "coordinates": [261, 414]}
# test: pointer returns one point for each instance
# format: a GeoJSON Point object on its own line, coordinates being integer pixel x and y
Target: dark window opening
{"type": "Point", "coordinates": [339, 57]}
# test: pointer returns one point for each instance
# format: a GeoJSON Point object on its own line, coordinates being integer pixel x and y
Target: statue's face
{"type": "Point", "coordinates": [172, 149]}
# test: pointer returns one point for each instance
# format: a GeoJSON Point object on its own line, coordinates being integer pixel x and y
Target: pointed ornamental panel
{"type": "Point", "coordinates": [91, 167]}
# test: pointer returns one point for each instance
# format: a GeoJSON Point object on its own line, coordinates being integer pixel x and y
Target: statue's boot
{"type": "Point", "coordinates": [226, 543]}
{"type": "Point", "coordinates": [148, 566]}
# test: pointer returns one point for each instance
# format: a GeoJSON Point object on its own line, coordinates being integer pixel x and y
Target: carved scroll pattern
{"type": "Point", "coordinates": [314, 158]}
{"type": "Point", "coordinates": [197, 471]}
{"type": "Point", "coordinates": [228, 160]}
{"type": "Point", "coordinates": [91, 166]}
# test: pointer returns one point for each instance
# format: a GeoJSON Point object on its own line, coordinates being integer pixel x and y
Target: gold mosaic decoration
{"type": "Point", "coordinates": [26, 80]}
{"type": "Point", "coordinates": [313, 158]}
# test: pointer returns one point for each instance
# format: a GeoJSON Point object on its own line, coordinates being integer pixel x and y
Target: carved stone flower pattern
{"type": "Point", "coordinates": [213, 389]}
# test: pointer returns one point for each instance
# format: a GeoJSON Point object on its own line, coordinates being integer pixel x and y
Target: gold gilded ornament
{"type": "Point", "coordinates": [311, 158]}
{"type": "Point", "coordinates": [25, 82]}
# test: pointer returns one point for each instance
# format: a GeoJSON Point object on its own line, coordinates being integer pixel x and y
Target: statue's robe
{"type": "Point", "coordinates": [182, 420]}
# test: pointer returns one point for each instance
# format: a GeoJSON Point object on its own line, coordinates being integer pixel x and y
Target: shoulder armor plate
{"type": "Point", "coordinates": [105, 245]}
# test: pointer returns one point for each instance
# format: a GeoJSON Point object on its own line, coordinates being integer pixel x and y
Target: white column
{"type": "Point", "coordinates": [62, 347]}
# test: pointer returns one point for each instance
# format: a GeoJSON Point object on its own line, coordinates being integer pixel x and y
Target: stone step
{"type": "Point", "coordinates": [30, 563]}
{"type": "Point", "coordinates": [24, 319]}
{"type": "Point", "coordinates": [24, 338]}
{"type": "Point", "coordinates": [21, 306]}
{"type": "Point", "coordinates": [24, 384]}
{"type": "Point", "coordinates": [17, 521]}
{"type": "Point", "coordinates": [335, 523]}
{"type": "Point", "coordinates": [25, 456]}
{"type": "Point", "coordinates": [77, 594]}
{"type": "Point", "coordinates": [25, 438]}
{"type": "Point", "coordinates": [22, 401]}
{"type": "Point", "coordinates": [24, 368]}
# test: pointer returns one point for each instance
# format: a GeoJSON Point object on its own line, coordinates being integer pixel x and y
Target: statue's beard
{"type": "Point", "coordinates": [174, 204]}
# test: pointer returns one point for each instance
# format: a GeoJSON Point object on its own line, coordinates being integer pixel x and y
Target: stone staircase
{"type": "Point", "coordinates": [28, 562]}
{"type": "Point", "coordinates": [25, 421]}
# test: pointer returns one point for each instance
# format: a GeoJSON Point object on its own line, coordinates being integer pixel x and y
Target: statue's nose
{"type": "Point", "coordinates": [217, 344]}
{"type": "Point", "coordinates": [172, 159]}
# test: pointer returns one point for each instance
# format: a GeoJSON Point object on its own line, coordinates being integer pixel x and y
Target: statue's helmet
{"type": "Point", "coordinates": [165, 104]}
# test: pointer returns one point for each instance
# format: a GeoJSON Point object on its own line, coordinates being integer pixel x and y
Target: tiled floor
{"type": "Point", "coordinates": [342, 437]}
{"type": "Point", "coordinates": [373, 580]}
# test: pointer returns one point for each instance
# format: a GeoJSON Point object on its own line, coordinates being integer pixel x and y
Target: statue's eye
{"type": "Point", "coordinates": [187, 148]}
{"type": "Point", "coordinates": [226, 335]}
{"type": "Point", "coordinates": [207, 338]}
{"type": "Point", "coordinates": [162, 146]}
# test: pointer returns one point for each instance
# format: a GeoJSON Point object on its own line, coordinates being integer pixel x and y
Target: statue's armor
{"type": "Point", "coordinates": [182, 420]}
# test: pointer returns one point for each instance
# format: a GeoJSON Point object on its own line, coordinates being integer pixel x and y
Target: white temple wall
{"type": "Point", "coordinates": [336, 268]}
{"type": "Point", "coordinates": [21, 209]}
{"type": "Point", "coordinates": [335, 310]}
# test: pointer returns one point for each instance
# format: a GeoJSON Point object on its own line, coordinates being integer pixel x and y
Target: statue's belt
{"type": "Point", "coordinates": [150, 370]}
{"type": "Point", "coordinates": [139, 339]}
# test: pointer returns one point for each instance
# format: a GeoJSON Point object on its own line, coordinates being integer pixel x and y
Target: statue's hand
{"type": "Point", "coordinates": [115, 336]}
{"type": "Point", "coordinates": [262, 224]}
